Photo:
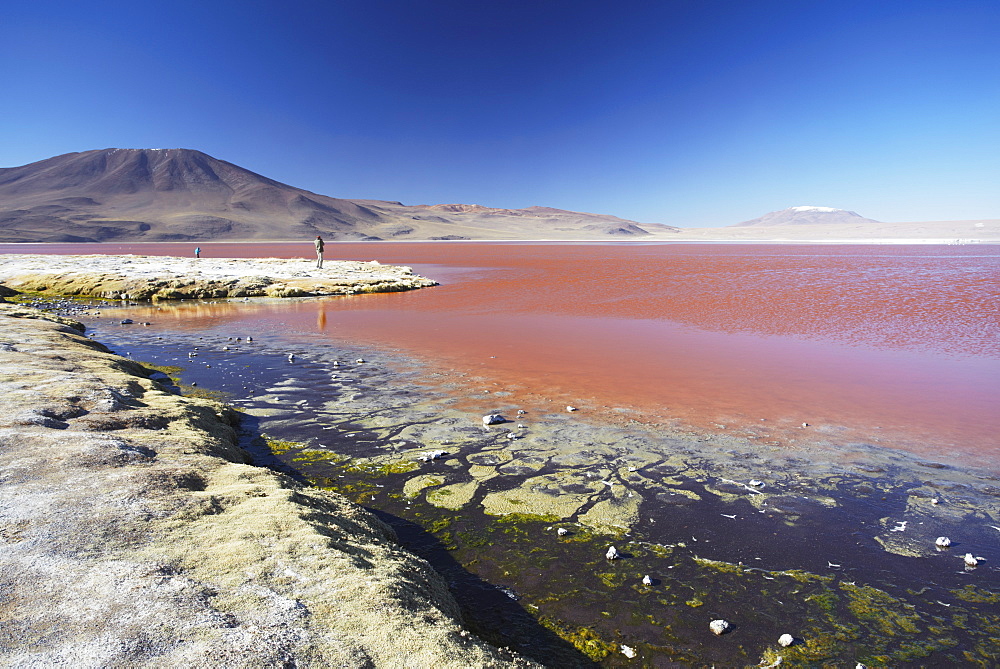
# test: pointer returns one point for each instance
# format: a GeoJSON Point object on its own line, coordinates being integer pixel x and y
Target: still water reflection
{"type": "Point", "coordinates": [898, 345]}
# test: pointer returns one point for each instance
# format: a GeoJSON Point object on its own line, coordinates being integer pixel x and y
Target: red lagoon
{"type": "Point", "coordinates": [894, 345]}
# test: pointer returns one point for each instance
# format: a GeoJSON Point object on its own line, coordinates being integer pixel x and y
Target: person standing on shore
{"type": "Point", "coordinates": [319, 252]}
{"type": "Point", "coordinates": [197, 252]}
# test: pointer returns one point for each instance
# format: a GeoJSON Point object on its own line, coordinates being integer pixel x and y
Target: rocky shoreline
{"type": "Point", "coordinates": [133, 277]}
{"type": "Point", "coordinates": [135, 531]}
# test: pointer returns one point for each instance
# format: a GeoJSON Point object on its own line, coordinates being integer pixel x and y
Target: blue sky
{"type": "Point", "coordinates": [685, 112]}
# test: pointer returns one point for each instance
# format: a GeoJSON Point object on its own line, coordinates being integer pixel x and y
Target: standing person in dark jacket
{"type": "Point", "coordinates": [319, 252]}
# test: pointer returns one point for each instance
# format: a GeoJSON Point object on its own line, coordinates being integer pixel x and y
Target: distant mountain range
{"type": "Point", "coordinates": [186, 195]}
{"type": "Point", "coordinates": [162, 195]}
{"type": "Point", "coordinates": [808, 215]}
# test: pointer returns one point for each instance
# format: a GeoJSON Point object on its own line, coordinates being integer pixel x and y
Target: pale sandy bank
{"type": "Point", "coordinates": [166, 277]}
{"type": "Point", "coordinates": [133, 532]}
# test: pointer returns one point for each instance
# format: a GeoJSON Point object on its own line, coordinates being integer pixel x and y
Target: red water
{"type": "Point", "coordinates": [898, 345]}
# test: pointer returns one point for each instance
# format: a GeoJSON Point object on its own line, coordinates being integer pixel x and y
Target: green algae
{"type": "Point", "coordinates": [169, 370]}
{"type": "Point", "coordinates": [891, 615]}
{"type": "Point", "coordinates": [204, 393]}
{"type": "Point", "coordinates": [804, 576]}
{"type": "Point", "coordinates": [837, 620]}
{"type": "Point", "coordinates": [509, 518]}
{"type": "Point", "coordinates": [659, 550]}
{"type": "Point", "coordinates": [612, 580]}
{"type": "Point", "coordinates": [971, 593]}
{"type": "Point", "coordinates": [719, 565]}
{"type": "Point", "coordinates": [825, 601]}
{"type": "Point", "coordinates": [315, 455]}
{"type": "Point", "coordinates": [841, 619]}
{"type": "Point", "coordinates": [383, 470]}
{"type": "Point", "coordinates": [584, 639]}
{"type": "Point", "coordinates": [280, 447]}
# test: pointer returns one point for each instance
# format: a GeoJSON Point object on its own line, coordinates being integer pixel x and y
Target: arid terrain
{"type": "Point", "coordinates": [164, 195]}
{"type": "Point", "coordinates": [185, 195]}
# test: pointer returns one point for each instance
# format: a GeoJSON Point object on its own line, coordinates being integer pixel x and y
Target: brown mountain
{"type": "Point", "coordinates": [186, 195]}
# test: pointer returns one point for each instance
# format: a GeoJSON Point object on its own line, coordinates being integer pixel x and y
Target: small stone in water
{"type": "Point", "coordinates": [612, 553]}
{"type": "Point", "coordinates": [628, 652]}
{"type": "Point", "coordinates": [718, 626]}
{"type": "Point", "coordinates": [647, 580]}
{"type": "Point", "coordinates": [786, 640]}
{"type": "Point", "coordinates": [942, 542]}
{"type": "Point", "coordinates": [562, 531]}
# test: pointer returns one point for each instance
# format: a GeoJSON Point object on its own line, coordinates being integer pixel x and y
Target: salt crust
{"type": "Point", "coordinates": [165, 277]}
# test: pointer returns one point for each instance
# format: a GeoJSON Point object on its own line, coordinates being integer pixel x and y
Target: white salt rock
{"type": "Point", "coordinates": [493, 419]}
{"type": "Point", "coordinates": [570, 408]}
{"type": "Point", "coordinates": [612, 553]}
{"type": "Point", "coordinates": [628, 652]}
{"type": "Point", "coordinates": [971, 560]}
{"type": "Point", "coordinates": [647, 580]}
{"type": "Point", "coordinates": [786, 640]}
{"type": "Point", "coordinates": [562, 531]}
{"type": "Point", "coordinates": [942, 542]}
{"type": "Point", "coordinates": [718, 626]}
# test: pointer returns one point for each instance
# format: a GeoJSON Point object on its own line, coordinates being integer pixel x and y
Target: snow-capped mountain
{"type": "Point", "coordinates": [807, 215]}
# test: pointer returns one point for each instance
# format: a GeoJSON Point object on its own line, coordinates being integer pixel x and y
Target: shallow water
{"type": "Point", "coordinates": [836, 549]}
{"type": "Point", "coordinates": [893, 345]}
{"type": "Point", "coordinates": [899, 350]}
